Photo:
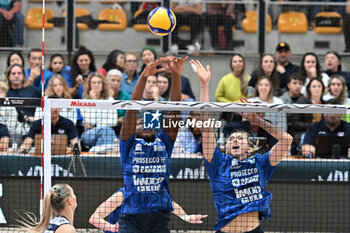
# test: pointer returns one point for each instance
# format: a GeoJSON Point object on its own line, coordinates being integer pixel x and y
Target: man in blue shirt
{"type": "Point", "coordinates": [331, 124]}
{"type": "Point", "coordinates": [237, 180]}
{"type": "Point", "coordinates": [145, 159]}
{"type": "Point", "coordinates": [34, 72]}
{"type": "Point", "coordinates": [130, 76]}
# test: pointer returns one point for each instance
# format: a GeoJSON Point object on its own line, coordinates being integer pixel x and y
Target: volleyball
{"type": "Point", "coordinates": [161, 21]}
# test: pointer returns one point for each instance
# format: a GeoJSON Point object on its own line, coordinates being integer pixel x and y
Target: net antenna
{"type": "Point", "coordinates": [42, 120]}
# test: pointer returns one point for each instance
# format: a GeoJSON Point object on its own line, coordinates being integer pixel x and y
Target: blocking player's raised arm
{"type": "Point", "coordinates": [176, 66]}
{"type": "Point", "coordinates": [129, 124]}
{"type": "Point", "coordinates": [208, 136]}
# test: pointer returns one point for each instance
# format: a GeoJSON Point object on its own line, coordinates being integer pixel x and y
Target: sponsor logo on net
{"type": "Point", "coordinates": [78, 103]}
{"type": "Point", "coordinates": [154, 120]}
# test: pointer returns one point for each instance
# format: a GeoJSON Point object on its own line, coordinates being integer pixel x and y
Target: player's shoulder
{"type": "Point", "coordinates": [66, 228]}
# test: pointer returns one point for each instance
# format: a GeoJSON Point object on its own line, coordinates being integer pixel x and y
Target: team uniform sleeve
{"type": "Point", "coordinates": [265, 165]}
{"type": "Point", "coordinates": [125, 147]}
{"type": "Point", "coordinates": [218, 157]}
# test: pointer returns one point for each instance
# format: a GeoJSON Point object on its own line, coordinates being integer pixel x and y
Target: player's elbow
{"type": "Point", "coordinates": [289, 139]}
{"type": "Point", "coordinates": [91, 219]}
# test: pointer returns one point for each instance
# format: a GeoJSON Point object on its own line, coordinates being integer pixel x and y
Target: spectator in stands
{"type": "Point", "coordinates": [59, 125]}
{"type": "Point", "coordinates": [220, 14]}
{"type": "Point", "coordinates": [310, 68]}
{"type": "Point", "coordinates": [98, 123]}
{"type": "Point", "coordinates": [315, 90]}
{"type": "Point", "coordinates": [15, 57]}
{"type": "Point", "coordinates": [337, 89]}
{"type": "Point", "coordinates": [151, 91]}
{"type": "Point", "coordinates": [8, 115]}
{"type": "Point", "coordinates": [331, 124]}
{"type": "Point", "coordinates": [284, 66]}
{"type": "Point", "coordinates": [10, 12]}
{"type": "Point", "coordinates": [164, 85]}
{"type": "Point", "coordinates": [148, 55]}
{"type": "Point", "coordinates": [187, 13]}
{"type": "Point", "coordinates": [263, 93]}
{"type": "Point", "coordinates": [114, 78]}
{"type": "Point", "coordinates": [346, 27]}
{"type": "Point", "coordinates": [234, 85]}
{"type": "Point", "coordinates": [59, 87]}
{"type": "Point", "coordinates": [297, 123]}
{"type": "Point", "coordinates": [19, 87]}
{"type": "Point", "coordinates": [58, 66]}
{"type": "Point", "coordinates": [115, 60]}
{"type": "Point", "coordinates": [333, 66]}
{"type": "Point", "coordinates": [186, 89]}
{"type": "Point", "coordinates": [83, 64]}
{"type": "Point", "coordinates": [34, 72]}
{"type": "Point", "coordinates": [189, 139]}
{"type": "Point", "coordinates": [130, 76]}
{"type": "Point", "coordinates": [268, 68]}
{"type": "Point", "coordinates": [4, 137]}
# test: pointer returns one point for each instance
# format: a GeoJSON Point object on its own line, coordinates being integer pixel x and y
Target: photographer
{"type": "Point", "coordinates": [59, 125]}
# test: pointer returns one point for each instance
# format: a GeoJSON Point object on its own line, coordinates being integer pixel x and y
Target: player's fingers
{"type": "Point", "coordinates": [160, 70]}
{"type": "Point", "coordinates": [185, 59]}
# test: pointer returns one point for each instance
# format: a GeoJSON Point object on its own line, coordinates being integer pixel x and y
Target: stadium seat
{"type": "Point", "coordinates": [115, 15]}
{"type": "Point", "coordinates": [139, 27]}
{"type": "Point", "coordinates": [80, 12]}
{"type": "Point", "coordinates": [328, 23]}
{"type": "Point", "coordinates": [34, 18]}
{"type": "Point", "coordinates": [250, 22]}
{"type": "Point", "coordinates": [292, 22]}
{"type": "Point", "coordinates": [83, 1]}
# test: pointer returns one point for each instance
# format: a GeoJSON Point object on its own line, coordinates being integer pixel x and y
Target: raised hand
{"type": "Point", "coordinates": [203, 74]}
{"type": "Point", "coordinates": [176, 64]}
{"type": "Point", "coordinates": [151, 69]}
{"type": "Point", "coordinates": [250, 116]}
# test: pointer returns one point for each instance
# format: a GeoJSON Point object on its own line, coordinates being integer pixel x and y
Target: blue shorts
{"type": "Point", "coordinates": [156, 222]}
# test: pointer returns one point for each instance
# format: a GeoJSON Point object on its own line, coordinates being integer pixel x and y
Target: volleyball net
{"type": "Point", "coordinates": [310, 187]}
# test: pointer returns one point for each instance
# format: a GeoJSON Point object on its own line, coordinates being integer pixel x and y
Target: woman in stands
{"type": "Point", "coordinates": [315, 90]}
{"type": "Point", "coordinates": [113, 207]}
{"type": "Point", "coordinates": [58, 66]}
{"type": "Point", "coordinates": [98, 123]}
{"type": "Point", "coordinates": [311, 68]}
{"type": "Point", "coordinates": [263, 93]}
{"type": "Point", "coordinates": [115, 60]}
{"type": "Point", "coordinates": [238, 179]}
{"type": "Point", "coordinates": [268, 68]}
{"type": "Point", "coordinates": [337, 89]}
{"type": "Point", "coordinates": [164, 85]}
{"type": "Point", "coordinates": [234, 85]}
{"type": "Point", "coordinates": [148, 55]}
{"type": "Point", "coordinates": [14, 57]}
{"type": "Point", "coordinates": [60, 202]}
{"type": "Point", "coordinates": [59, 87]}
{"type": "Point", "coordinates": [83, 64]}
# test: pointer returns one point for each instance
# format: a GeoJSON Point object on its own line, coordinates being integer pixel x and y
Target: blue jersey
{"type": "Point", "coordinates": [55, 223]}
{"type": "Point", "coordinates": [115, 215]}
{"type": "Point", "coordinates": [238, 186]}
{"type": "Point", "coordinates": [146, 171]}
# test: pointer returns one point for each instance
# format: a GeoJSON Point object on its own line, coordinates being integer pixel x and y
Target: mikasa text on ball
{"type": "Point", "coordinates": [161, 21]}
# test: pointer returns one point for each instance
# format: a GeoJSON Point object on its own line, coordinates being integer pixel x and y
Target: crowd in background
{"type": "Point", "coordinates": [276, 80]}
